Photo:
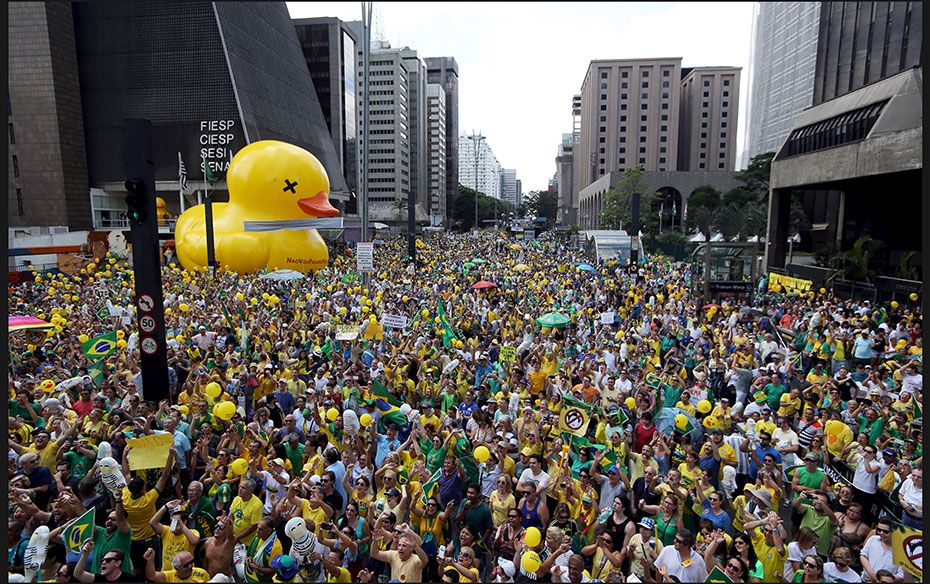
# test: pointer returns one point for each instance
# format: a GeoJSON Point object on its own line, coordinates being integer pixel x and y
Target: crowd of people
{"type": "Point", "coordinates": [647, 436]}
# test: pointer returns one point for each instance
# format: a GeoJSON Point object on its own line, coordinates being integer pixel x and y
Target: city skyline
{"type": "Point", "coordinates": [517, 91]}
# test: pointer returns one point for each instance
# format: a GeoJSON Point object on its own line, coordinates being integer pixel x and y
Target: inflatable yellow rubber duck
{"type": "Point", "coordinates": [269, 182]}
{"type": "Point", "coordinates": [161, 210]}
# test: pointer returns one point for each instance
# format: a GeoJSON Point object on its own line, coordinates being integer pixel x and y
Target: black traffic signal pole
{"type": "Point", "coordinates": [150, 314]}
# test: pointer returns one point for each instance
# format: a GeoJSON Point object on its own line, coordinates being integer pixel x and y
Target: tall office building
{"type": "Point", "coordinates": [781, 72]}
{"type": "Point", "coordinates": [629, 116]}
{"type": "Point", "coordinates": [211, 77]}
{"type": "Point", "coordinates": [860, 43]}
{"type": "Point", "coordinates": [519, 192]}
{"type": "Point", "coordinates": [861, 139]}
{"type": "Point", "coordinates": [478, 166]}
{"type": "Point", "coordinates": [564, 164]}
{"type": "Point", "coordinates": [509, 185]}
{"type": "Point", "coordinates": [436, 135]}
{"type": "Point", "coordinates": [329, 47]}
{"type": "Point", "coordinates": [445, 72]}
{"type": "Point", "coordinates": [419, 144]}
{"type": "Point", "coordinates": [707, 122]}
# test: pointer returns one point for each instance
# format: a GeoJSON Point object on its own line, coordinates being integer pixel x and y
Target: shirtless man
{"type": "Point", "coordinates": [218, 550]}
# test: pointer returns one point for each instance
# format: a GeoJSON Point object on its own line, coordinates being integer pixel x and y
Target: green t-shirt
{"type": "Point", "coordinates": [295, 455]}
{"type": "Point", "coordinates": [104, 542]}
{"type": "Point", "coordinates": [80, 464]}
{"type": "Point", "coordinates": [773, 395]}
{"type": "Point", "coordinates": [671, 395]}
{"type": "Point", "coordinates": [17, 410]}
{"type": "Point", "coordinates": [821, 526]}
{"type": "Point", "coordinates": [874, 430]}
{"type": "Point", "coordinates": [220, 494]}
{"type": "Point", "coordinates": [811, 480]}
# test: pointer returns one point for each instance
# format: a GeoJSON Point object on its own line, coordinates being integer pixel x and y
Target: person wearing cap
{"type": "Point", "coordinates": [809, 479]}
{"type": "Point", "coordinates": [768, 540]}
{"type": "Point", "coordinates": [182, 569]}
{"type": "Point", "coordinates": [174, 539]}
{"type": "Point", "coordinates": [643, 549]}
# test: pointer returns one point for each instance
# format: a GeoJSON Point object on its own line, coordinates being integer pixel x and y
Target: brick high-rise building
{"type": "Point", "coordinates": [707, 123]}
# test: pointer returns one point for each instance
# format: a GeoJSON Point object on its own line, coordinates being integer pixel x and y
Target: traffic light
{"type": "Point", "coordinates": [136, 200]}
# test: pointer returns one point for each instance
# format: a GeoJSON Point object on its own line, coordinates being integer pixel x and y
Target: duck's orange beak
{"type": "Point", "coordinates": [318, 206]}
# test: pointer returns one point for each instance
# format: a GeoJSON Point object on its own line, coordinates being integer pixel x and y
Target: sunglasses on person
{"type": "Point", "coordinates": [714, 499]}
{"type": "Point", "coordinates": [811, 565]}
{"type": "Point", "coordinates": [880, 530]}
{"type": "Point", "coordinates": [109, 559]}
{"type": "Point", "coordinates": [513, 516]}
{"type": "Point", "coordinates": [734, 566]}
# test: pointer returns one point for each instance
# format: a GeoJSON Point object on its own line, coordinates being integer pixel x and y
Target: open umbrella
{"type": "Point", "coordinates": [27, 323]}
{"type": "Point", "coordinates": [553, 320]}
{"type": "Point", "coordinates": [479, 261]}
{"type": "Point", "coordinates": [482, 284]}
{"type": "Point", "coordinates": [521, 267]}
{"type": "Point", "coordinates": [665, 422]}
{"type": "Point", "coordinates": [282, 275]}
{"type": "Point", "coordinates": [586, 267]}
{"type": "Point", "coordinates": [709, 306]}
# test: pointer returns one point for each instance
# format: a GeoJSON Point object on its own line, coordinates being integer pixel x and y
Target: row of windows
{"type": "Point", "coordinates": [843, 129]}
{"type": "Point", "coordinates": [642, 72]}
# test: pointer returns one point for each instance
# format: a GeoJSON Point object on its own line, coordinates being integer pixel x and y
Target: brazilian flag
{"type": "Point", "coordinates": [101, 346]}
{"type": "Point", "coordinates": [103, 313]}
{"type": "Point", "coordinates": [448, 334]}
{"type": "Point", "coordinates": [79, 532]}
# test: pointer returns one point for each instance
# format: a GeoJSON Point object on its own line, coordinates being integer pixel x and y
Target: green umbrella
{"type": "Point", "coordinates": [479, 261]}
{"type": "Point", "coordinates": [553, 320]}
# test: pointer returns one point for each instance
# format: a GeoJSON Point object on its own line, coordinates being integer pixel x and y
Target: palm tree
{"type": "Point", "coordinates": [732, 222]}
{"type": "Point", "coordinates": [855, 261]}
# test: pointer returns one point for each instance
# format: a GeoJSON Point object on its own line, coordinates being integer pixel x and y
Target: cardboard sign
{"type": "Point", "coordinates": [347, 332]}
{"type": "Point", "coordinates": [507, 355]}
{"type": "Point", "coordinates": [365, 257]}
{"type": "Point", "coordinates": [149, 451]}
{"type": "Point", "coordinates": [607, 318]}
{"type": "Point", "coordinates": [398, 321]}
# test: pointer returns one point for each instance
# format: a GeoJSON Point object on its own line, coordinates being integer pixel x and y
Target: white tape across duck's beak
{"type": "Point", "coordinates": [293, 224]}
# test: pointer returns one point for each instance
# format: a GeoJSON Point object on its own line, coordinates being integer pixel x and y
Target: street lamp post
{"type": "Point", "coordinates": [366, 46]}
{"type": "Point", "coordinates": [476, 141]}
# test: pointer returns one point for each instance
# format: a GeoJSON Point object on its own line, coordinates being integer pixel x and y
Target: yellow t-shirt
{"type": "Point", "coordinates": [789, 406]}
{"type": "Point", "coordinates": [344, 576]}
{"type": "Point", "coordinates": [773, 563]}
{"type": "Point", "coordinates": [245, 514]}
{"type": "Point", "coordinates": [499, 509]}
{"type": "Point", "coordinates": [465, 579]}
{"type": "Point", "coordinates": [138, 513]}
{"type": "Point", "coordinates": [689, 407]}
{"type": "Point", "coordinates": [47, 456]}
{"type": "Point", "coordinates": [317, 515]}
{"type": "Point", "coordinates": [198, 575]}
{"type": "Point", "coordinates": [172, 545]}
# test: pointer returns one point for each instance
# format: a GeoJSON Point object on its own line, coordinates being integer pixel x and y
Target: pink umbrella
{"type": "Point", "coordinates": [482, 285]}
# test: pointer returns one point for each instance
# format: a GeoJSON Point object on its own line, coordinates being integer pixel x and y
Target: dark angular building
{"type": "Point", "coordinates": [211, 76]}
{"type": "Point", "coordinates": [861, 141]}
{"type": "Point", "coordinates": [445, 72]}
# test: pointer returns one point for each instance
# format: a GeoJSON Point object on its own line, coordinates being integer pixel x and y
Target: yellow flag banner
{"type": "Point", "coordinates": [574, 420]}
{"type": "Point", "coordinates": [149, 451]}
{"type": "Point", "coordinates": [907, 545]}
{"type": "Point", "coordinates": [507, 355]}
{"type": "Point", "coordinates": [788, 283]}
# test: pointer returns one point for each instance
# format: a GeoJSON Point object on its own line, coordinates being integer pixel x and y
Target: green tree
{"type": "Point", "coordinates": [541, 204]}
{"type": "Point", "coordinates": [756, 176]}
{"type": "Point", "coordinates": [616, 209]}
{"type": "Point", "coordinates": [463, 210]}
{"type": "Point", "coordinates": [856, 261]}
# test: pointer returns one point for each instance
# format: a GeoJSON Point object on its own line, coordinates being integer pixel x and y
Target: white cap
{"type": "Point", "coordinates": [509, 568]}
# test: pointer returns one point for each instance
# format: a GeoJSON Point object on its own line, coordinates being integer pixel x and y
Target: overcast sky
{"type": "Point", "coordinates": [520, 64]}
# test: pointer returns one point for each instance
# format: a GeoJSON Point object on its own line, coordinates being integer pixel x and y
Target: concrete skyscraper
{"type": "Point", "coordinates": [509, 185]}
{"type": "Point", "coordinates": [564, 164]}
{"type": "Point", "coordinates": [445, 72]}
{"type": "Point", "coordinates": [781, 72]}
{"type": "Point", "coordinates": [436, 163]}
{"type": "Point", "coordinates": [488, 169]}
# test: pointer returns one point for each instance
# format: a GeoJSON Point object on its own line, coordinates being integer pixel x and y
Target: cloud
{"type": "Point", "coordinates": [520, 64]}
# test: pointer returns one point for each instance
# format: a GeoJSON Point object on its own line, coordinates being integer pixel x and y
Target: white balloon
{"type": "Point", "coordinates": [111, 475]}
{"type": "Point", "coordinates": [350, 422]}
{"type": "Point", "coordinates": [239, 556]}
{"type": "Point", "coordinates": [36, 550]}
{"type": "Point", "coordinates": [104, 450]}
{"type": "Point", "coordinates": [405, 409]}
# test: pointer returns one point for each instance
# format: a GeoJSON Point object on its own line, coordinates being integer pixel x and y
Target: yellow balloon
{"type": "Point", "coordinates": [365, 309]}
{"type": "Point", "coordinates": [121, 344]}
{"type": "Point", "coordinates": [482, 453]}
{"type": "Point", "coordinates": [48, 385]}
{"type": "Point", "coordinates": [630, 403]}
{"type": "Point", "coordinates": [704, 406]}
{"type": "Point", "coordinates": [254, 300]}
{"type": "Point", "coordinates": [183, 307]}
{"type": "Point", "coordinates": [894, 304]}
{"type": "Point", "coordinates": [364, 419]}
{"type": "Point", "coordinates": [425, 313]}
{"type": "Point", "coordinates": [913, 296]}
{"type": "Point", "coordinates": [239, 466]}
{"type": "Point", "coordinates": [240, 296]}
{"type": "Point", "coordinates": [711, 422]}
{"type": "Point", "coordinates": [179, 338]}
{"type": "Point", "coordinates": [83, 338]}
{"type": "Point", "coordinates": [406, 298]}
{"type": "Point", "coordinates": [213, 389]}
{"type": "Point", "coordinates": [184, 410]}
{"type": "Point", "coordinates": [373, 319]}
{"type": "Point", "coordinates": [532, 537]}
{"type": "Point", "coordinates": [681, 421]}
{"type": "Point", "coordinates": [167, 311]}
{"type": "Point", "coordinates": [332, 414]}
{"type": "Point", "coordinates": [265, 296]}
{"type": "Point", "coordinates": [120, 334]}
{"type": "Point", "coordinates": [436, 320]}
{"type": "Point", "coordinates": [530, 561]}
{"type": "Point", "coordinates": [823, 290]}
{"type": "Point", "coordinates": [224, 410]}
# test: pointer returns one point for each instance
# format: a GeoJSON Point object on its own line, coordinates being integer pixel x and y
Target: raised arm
{"type": "Point", "coordinates": [80, 573]}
